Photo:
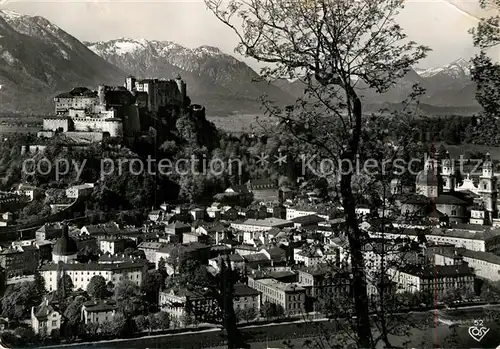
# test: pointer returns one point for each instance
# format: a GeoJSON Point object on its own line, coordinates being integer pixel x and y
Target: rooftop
{"type": "Point", "coordinates": [139, 263]}
{"type": "Point", "coordinates": [267, 222]}
{"type": "Point", "coordinates": [438, 271]}
{"type": "Point", "coordinates": [99, 306]}
{"type": "Point", "coordinates": [286, 287]}
{"type": "Point", "coordinates": [241, 290]}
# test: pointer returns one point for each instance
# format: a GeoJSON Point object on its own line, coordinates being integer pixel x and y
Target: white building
{"type": "Point", "coordinates": [98, 312]}
{"type": "Point", "coordinates": [28, 191]}
{"type": "Point", "coordinates": [45, 319]}
{"type": "Point", "coordinates": [250, 227]}
{"type": "Point", "coordinates": [436, 280]}
{"type": "Point", "coordinates": [81, 273]}
{"type": "Point", "coordinates": [486, 265]}
{"type": "Point", "coordinates": [80, 190]}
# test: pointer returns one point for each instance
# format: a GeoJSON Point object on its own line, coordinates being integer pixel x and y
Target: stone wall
{"type": "Point", "coordinates": [53, 124]}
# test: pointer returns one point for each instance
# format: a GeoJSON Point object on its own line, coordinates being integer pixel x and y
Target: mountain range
{"type": "Point", "coordinates": [39, 60]}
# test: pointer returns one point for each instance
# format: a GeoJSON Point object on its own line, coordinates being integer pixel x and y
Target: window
{"type": "Point", "coordinates": [54, 323]}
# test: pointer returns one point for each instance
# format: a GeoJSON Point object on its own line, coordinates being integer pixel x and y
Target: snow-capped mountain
{"type": "Point", "coordinates": [216, 79]}
{"type": "Point", "coordinates": [448, 86]}
{"type": "Point", "coordinates": [456, 69]}
{"type": "Point", "coordinates": [38, 60]}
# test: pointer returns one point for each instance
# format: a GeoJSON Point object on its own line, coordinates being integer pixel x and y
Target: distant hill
{"type": "Point", "coordinates": [38, 60]}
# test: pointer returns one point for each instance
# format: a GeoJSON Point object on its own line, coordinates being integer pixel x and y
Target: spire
{"type": "Point", "coordinates": [65, 230]}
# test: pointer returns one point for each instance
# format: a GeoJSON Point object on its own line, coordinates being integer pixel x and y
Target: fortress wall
{"type": "Point", "coordinates": [91, 136]}
{"type": "Point", "coordinates": [54, 124]}
{"type": "Point", "coordinates": [114, 127]}
{"type": "Point", "coordinates": [76, 103]}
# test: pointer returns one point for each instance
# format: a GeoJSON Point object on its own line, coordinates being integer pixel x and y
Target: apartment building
{"type": "Point", "coordinates": [290, 296]}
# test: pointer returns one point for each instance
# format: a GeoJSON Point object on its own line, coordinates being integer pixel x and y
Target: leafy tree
{"type": "Point", "coordinates": [18, 300]}
{"type": "Point", "coordinates": [141, 322]}
{"type": "Point", "coordinates": [26, 334]}
{"type": "Point", "coordinates": [332, 47]}
{"type": "Point", "coordinates": [162, 267]}
{"type": "Point", "coordinates": [115, 327]}
{"type": "Point", "coordinates": [128, 298]}
{"type": "Point", "coordinates": [249, 314]}
{"type": "Point", "coordinates": [152, 322]}
{"type": "Point", "coordinates": [72, 314]}
{"type": "Point", "coordinates": [40, 284]}
{"type": "Point", "coordinates": [485, 72]}
{"type": "Point", "coordinates": [268, 310]}
{"type": "Point", "coordinates": [151, 286]}
{"type": "Point", "coordinates": [97, 287]}
{"type": "Point", "coordinates": [177, 256]}
{"type": "Point", "coordinates": [187, 319]}
{"type": "Point", "coordinates": [163, 320]}
{"type": "Point", "coordinates": [246, 314]}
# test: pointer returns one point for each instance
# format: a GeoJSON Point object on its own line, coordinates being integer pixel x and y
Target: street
{"type": "Point", "coordinates": [273, 335]}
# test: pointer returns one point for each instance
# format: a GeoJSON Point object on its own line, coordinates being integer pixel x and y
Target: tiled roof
{"type": "Point", "coordinates": [139, 263]}
{"type": "Point", "coordinates": [255, 257]}
{"type": "Point", "coordinates": [438, 271]}
{"type": "Point", "coordinates": [43, 311]}
{"type": "Point", "coordinates": [99, 306]}
{"type": "Point", "coordinates": [287, 287]}
{"type": "Point", "coordinates": [241, 290]}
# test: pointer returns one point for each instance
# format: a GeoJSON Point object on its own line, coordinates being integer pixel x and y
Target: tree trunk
{"type": "Point", "coordinates": [361, 307]}
{"type": "Point", "coordinates": [228, 313]}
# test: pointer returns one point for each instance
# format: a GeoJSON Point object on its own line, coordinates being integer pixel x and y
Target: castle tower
{"type": "Point", "coordinates": [130, 83]}
{"type": "Point", "coordinates": [101, 93]}
{"type": "Point", "coordinates": [488, 188]}
{"type": "Point", "coordinates": [448, 173]}
{"type": "Point", "coordinates": [181, 85]}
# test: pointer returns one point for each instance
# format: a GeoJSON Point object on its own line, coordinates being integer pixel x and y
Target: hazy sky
{"type": "Point", "coordinates": [440, 24]}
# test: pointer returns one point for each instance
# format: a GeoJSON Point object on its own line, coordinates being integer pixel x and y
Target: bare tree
{"type": "Point", "coordinates": [335, 47]}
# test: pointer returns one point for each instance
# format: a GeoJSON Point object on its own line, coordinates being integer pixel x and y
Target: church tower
{"type": "Point", "coordinates": [448, 173]}
{"type": "Point", "coordinates": [488, 188]}
{"type": "Point", "coordinates": [428, 180]}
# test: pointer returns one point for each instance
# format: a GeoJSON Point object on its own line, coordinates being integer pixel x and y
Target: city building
{"type": "Point", "coordinates": [19, 260]}
{"type": "Point", "coordinates": [81, 273]}
{"type": "Point", "coordinates": [65, 249]}
{"type": "Point", "coordinates": [113, 244]}
{"type": "Point", "coordinates": [110, 228]}
{"type": "Point", "coordinates": [150, 249]}
{"type": "Point", "coordinates": [437, 280]}
{"type": "Point", "coordinates": [80, 190]}
{"type": "Point", "coordinates": [97, 312]}
{"type": "Point", "coordinates": [251, 227]}
{"type": "Point", "coordinates": [49, 231]}
{"type": "Point", "coordinates": [45, 319]}
{"type": "Point", "coordinates": [320, 280]}
{"type": "Point", "coordinates": [246, 297]}
{"type": "Point", "coordinates": [182, 303]}
{"type": "Point", "coordinates": [28, 191]}
{"type": "Point", "coordinates": [290, 296]}
{"type": "Point", "coordinates": [486, 265]}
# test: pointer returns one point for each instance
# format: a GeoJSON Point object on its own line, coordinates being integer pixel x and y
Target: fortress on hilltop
{"type": "Point", "coordinates": [115, 111]}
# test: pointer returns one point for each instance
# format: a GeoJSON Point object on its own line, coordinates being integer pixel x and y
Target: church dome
{"type": "Point", "coordinates": [427, 178]}
{"type": "Point", "coordinates": [65, 246]}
